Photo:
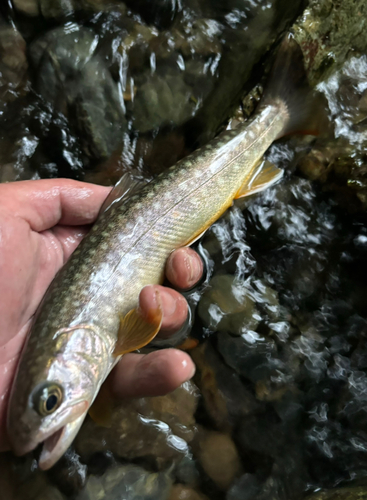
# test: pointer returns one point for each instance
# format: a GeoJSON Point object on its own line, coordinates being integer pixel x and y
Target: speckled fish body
{"type": "Point", "coordinates": [74, 334]}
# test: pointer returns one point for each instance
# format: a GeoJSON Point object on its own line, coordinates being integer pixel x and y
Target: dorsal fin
{"type": "Point", "coordinates": [126, 187]}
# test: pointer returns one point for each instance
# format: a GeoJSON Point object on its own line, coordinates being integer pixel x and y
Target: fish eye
{"type": "Point", "coordinates": [47, 398]}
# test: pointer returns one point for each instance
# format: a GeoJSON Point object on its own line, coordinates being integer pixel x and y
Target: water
{"type": "Point", "coordinates": [107, 89]}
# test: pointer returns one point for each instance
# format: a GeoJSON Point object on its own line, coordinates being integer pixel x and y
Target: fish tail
{"type": "Point", "coordinates": [288, 86]}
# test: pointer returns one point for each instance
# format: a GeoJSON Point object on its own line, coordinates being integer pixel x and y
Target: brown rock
{"type": "Point", "coordinates": [219, 458]}
{"type": "Point", "coordinates": [225, 396]}
{"type": "Point", "coordinates": [13, 63]}
{"type": "Point", "coordinates": [181, 492]}
{"type": "Point", "coordinates": [29, 7]}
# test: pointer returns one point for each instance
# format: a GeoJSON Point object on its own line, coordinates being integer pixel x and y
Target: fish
{"type": "Point", "coordinates": [89, 316]}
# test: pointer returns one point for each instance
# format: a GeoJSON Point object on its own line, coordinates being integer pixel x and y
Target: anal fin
{"type": "Point", "coordinates": [137, 330]}
{"type": "Point", "coordinates": [265, 176]}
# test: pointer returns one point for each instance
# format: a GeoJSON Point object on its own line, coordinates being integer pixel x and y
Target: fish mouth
{"type": "Point", "coordinates": [56, 441]}
{"type": "Point", "coordinates": [56, 444]}
{"type": "Point", "coordinates": [48, 449]}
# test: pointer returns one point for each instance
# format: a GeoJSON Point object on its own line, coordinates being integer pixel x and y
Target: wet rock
{"type": "Point", "coordinates": [262, 434]}
{"type": "Point", "coordinates": [186, 472]}
{"type": "Point", "coordinates": [28, 482]}
{"type": "Point", "coordinates": [181, 492]}
{"type": "Point", "coordinates": [99, 5]}
{"type": "Point", "coordinates": [129, 482]}
{"type": "Point", "coordinates": [13, 64]}
{"type": "Point", "coordinates": [29, 7]}
{"type": "Point", "coordinates": [219, 458]}
{"type": "Point", "coordinates": [99, 114]}
{"type": "Point", "coordinates": [177, 410]}
{"type": "Point", "coordinates": [138, 429]}
{"type": "Point", "coordinates": [251, 355]}
{"type": "Point", "coordinates": [56, 9]}
{"type": "Point", "coordinates": [162, 101]}
{"type": "Point", "coordinates": [327, 31]}
{"type": "Point", "coordinates": [159, 12]}
{"type": "Point", "coordinates": [351, 493]}
{"type": "Point", "coordinates": [245, 488]}
{"type": "Point", "coordinates": [203, 39]}
{"type": "Point", "coordinates": [225, 396]}
{"type": "Point", "coordinates": [58, 57]}
{"type": "Point", "coordinates": [78, 85]}
{"type": "Point", "coordinates": [69, 474]}
{"type": "Point", "coordinates": [339, 163]}
{"type": "Point", "coordinates": [249, 30]}
{"type": "Point", "coordinates": [227, 306]}
{"type": "Point", "coordinates": [15, 158]}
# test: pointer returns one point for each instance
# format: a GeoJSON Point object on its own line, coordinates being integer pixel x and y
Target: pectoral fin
{"type": "Point", "coordinates": [137, 330]}
{"type": "Point", "coordinates": [266, 175]}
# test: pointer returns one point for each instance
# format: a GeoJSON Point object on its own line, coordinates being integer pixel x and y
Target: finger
{"type": "Point", "coordinates": [153, 374]}
{"type": "Point", "coordinates": [174, 307]}
{"type": "Point", "coordinates": [67, 238]}
{"type": "Point", "coordinates": [47, 202]}
{"type": "Point", "coordinates": [184, 268]}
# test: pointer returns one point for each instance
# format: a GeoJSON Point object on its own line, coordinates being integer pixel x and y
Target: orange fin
{"type": "Point", "coordinates": [137, 330]}
{"type": "Point", "coordinates": [102, 407]}
{"type": "Point", "coordinates": [188, 344]}
{"type": "Point", "coordinates": [266, 175]}
{"type": "Point", "coordinates": [195, 238]}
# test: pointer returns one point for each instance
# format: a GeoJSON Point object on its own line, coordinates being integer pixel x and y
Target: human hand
{"type": "Point", "coordinates": [41, 224]}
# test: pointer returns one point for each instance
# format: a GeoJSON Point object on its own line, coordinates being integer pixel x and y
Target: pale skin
{"type": "Point", "coordinates": [41, 224]}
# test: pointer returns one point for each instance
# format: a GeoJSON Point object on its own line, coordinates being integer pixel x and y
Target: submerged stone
{"type": "Point", "coordinates": [181, 492]}
{"type": "Point", "coordinates": [69, 474]}
{"type": "Point", "coordinates": [226, 398]}
{"type": "Point", "coordinates": [29, 7]}
{"type": "Point", "coordinates": [226, 306]}
{"type": "Point", "coordinates": [162, 100]}
{"type": "Point", "coordinates": [152, 429]}
{"type": "Point", "coordinates": [245, 488]}
{"type": "Point", "coordinates": [251, 355]}
{"type": "Point", "coordinates": [348, 493]}
{"type": "Point", "coordinates": [219, 458]}
{"type": "Point", "coordinates": [56, 9]}
{"type": "Point", "coordinates": [77, 84]}
{"type": "Point", "coordinates": [13, 64]}
{"type": "Point", "coordinates": [127, 482]}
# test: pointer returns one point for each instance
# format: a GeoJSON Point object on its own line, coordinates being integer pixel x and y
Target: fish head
{"type": "Point", "coordinates": [51, 394]}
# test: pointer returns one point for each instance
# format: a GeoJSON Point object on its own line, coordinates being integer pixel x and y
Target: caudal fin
{"type": "Point", "coordinates": [288, 82]}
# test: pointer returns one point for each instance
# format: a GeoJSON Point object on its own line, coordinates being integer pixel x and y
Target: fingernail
{"type": "Point", "coordinates": [168, 303]}
{"type": "Point", "coordinates": [195, 268]}
{"type": "Point", "coordinates": [192, 371]}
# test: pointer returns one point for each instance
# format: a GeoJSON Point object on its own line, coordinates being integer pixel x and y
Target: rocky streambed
{"type": "Point", "coordinates": [278, 406]}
